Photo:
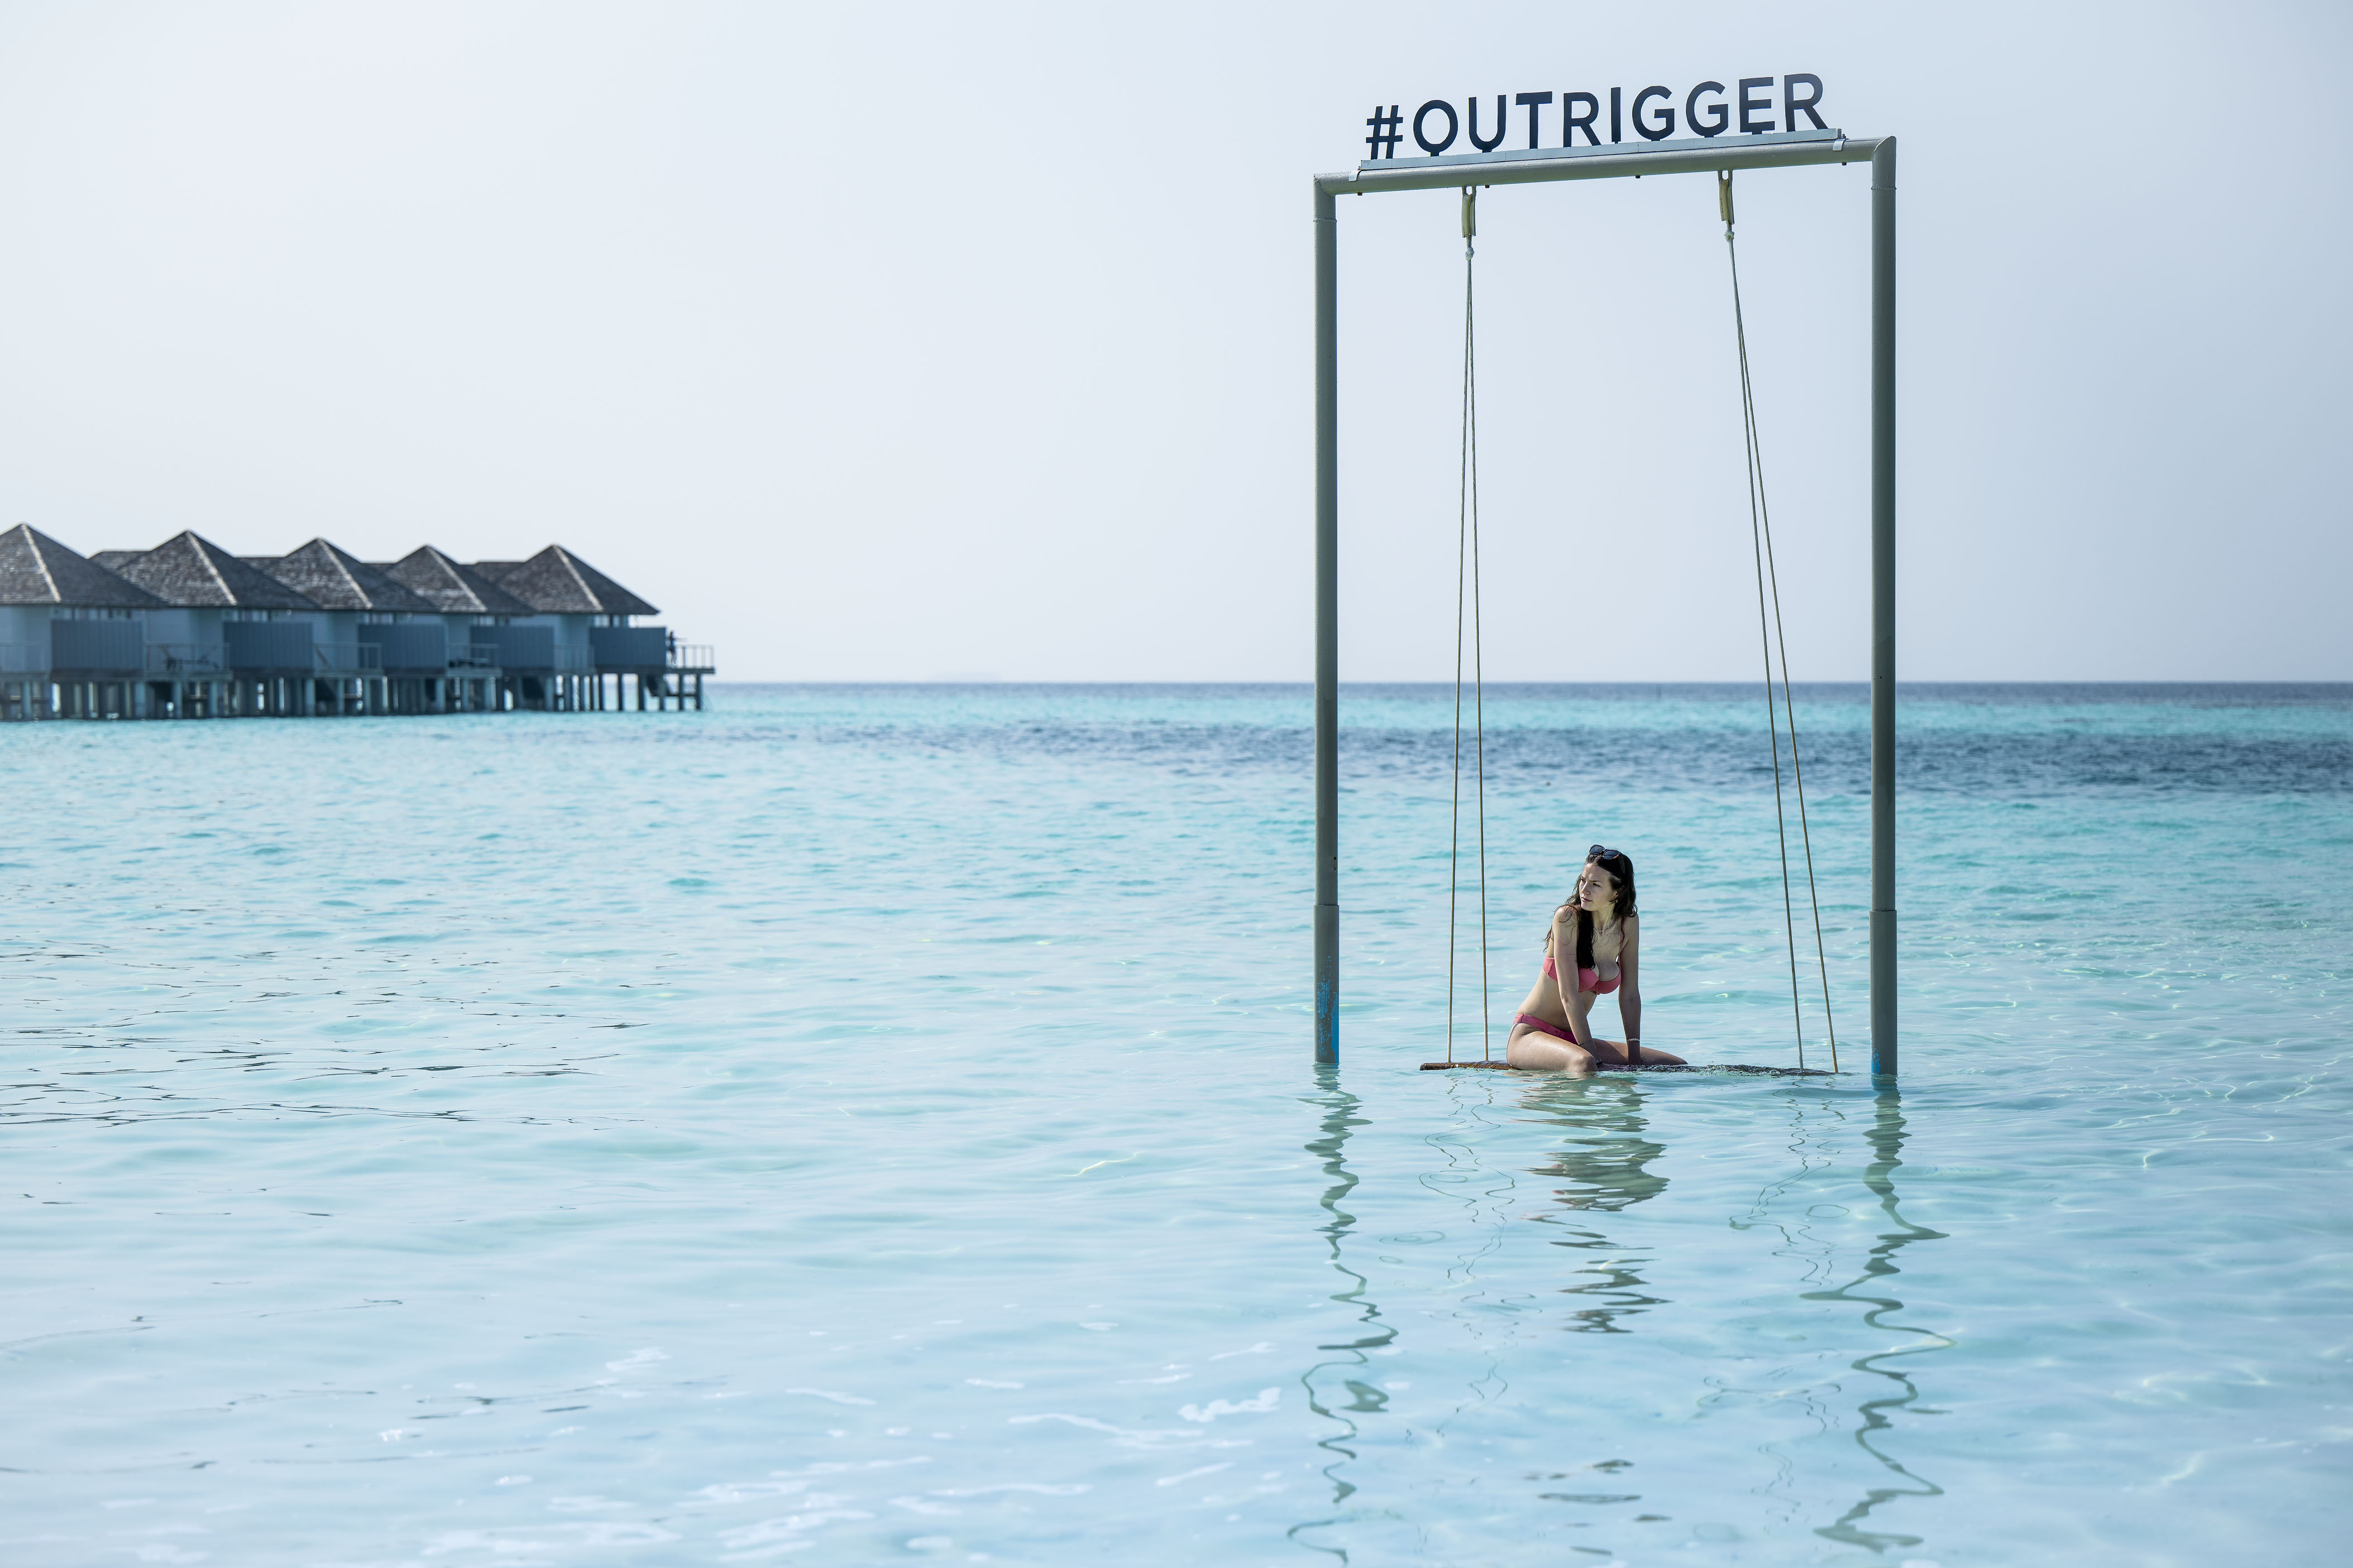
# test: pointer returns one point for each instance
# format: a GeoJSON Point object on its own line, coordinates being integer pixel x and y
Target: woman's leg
{"type": "Point", "coordinates": [1538, 1052]}
{"type": "Point", "coordinates": [1612, 1053]}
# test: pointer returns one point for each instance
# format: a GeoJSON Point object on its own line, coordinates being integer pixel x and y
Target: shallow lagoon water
{"type": "Point", "coordinates": [858, 1125]}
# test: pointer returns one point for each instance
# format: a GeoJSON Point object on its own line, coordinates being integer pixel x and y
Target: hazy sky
{"type": "Point", "coordinates": [900, 341]}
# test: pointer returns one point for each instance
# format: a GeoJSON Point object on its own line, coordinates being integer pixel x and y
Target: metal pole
{"type": "Point", "coordinates": [1883, 609]}
{"type": "Point", "coordinates": [1327, 631]}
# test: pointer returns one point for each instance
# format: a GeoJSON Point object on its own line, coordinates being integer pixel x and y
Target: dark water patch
{"type": "Point", "coordinates": [2012, 742]}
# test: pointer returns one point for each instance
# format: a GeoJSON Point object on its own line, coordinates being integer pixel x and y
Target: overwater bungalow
{"type": "Point", "coordinates": [480, 619]}
{"type": "Point", "coordinates": [227, 639]}
{"type": "Point", "coordinates": [71, 639]}
{"type": "Point", "coordinates": [188, 630]}
{"type": "Point", "coordinates": [381, 647]}
{"type": "Point", "coordinates": [590, 614]}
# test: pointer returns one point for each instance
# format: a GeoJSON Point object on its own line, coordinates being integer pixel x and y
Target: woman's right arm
{"type": "Point", "coordinates": [1577, 1007]}
{"type": "Point", "coordinates": [1563, 953]}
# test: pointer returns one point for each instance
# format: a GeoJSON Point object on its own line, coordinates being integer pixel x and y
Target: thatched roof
{"type": "Point", "coordinates": [189, 572]}
{"type": "Point", "coordinates": [37, 570]}
{"type": "Point", "coordinates": [450, 587]}
{"type": "Point", "coordinates": [338, 580]}
{"type": "Point", "coordinates": [557, 582]}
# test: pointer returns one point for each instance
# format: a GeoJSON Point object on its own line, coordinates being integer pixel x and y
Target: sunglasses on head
{"type": "Point", "coordinates": [1600, 853]}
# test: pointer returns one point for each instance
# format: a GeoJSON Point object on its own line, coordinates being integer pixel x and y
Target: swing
{"type": "Point", "coordinates": [1769, 631]}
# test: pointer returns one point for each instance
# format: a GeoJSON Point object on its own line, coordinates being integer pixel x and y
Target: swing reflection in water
{"type": "Point", "coordinates": [1354, 1395]}
{"type": "Point", "coordinates": [1586, 1161]}
{"type": "Point", "coordinates": [1892, 1394]}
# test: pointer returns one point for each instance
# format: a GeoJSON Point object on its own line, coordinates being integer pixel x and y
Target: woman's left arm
{"type": "Point", "coordinates": [1629, 989]}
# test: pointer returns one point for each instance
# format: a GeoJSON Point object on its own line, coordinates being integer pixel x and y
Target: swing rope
{"type": "Point", "coordinates": [1769, 581]}
{"type": "Point", "coordinates": [1466, 587]}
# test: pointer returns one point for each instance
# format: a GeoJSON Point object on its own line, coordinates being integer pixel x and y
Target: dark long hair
{"type": "Point", "coordinates": [1618, 868]}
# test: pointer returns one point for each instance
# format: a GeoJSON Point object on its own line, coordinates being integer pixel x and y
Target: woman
{"type": "Point", "coordinates": [1597, 925]}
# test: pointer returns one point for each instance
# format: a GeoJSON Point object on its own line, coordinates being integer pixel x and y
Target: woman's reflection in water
{"type": "Point", "coordinates": [1892, 1390]}
{"type": "Point", "coordinates": [1606, 1160]}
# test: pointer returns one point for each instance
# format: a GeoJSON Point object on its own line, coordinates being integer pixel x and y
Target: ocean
{"type": "Point", "coordinates": [863, 1124]}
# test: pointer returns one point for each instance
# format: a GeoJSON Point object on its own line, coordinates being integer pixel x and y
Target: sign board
{"type": "Point", "coordinates": [1752, 106]}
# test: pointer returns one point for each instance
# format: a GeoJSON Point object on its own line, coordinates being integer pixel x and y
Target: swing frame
{"type": "Point", "coordinates": [1692, 156]}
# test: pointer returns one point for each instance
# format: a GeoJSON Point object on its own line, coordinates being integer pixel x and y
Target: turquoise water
{"type": "Point", "coordinates": [868, 1125]}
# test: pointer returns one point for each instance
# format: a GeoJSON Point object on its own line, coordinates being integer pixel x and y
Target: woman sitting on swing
{"type": "Point", "coordinates": [1553, 1032]}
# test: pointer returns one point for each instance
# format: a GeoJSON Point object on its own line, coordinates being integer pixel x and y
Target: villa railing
{"type": "Point", "coordinates": [529, 655]}
{"type": "Point", "coordinates": [184, 658]}
{"type": "Point", "coordinates": [192, 660]}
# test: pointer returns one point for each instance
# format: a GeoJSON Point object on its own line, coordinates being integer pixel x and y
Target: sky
{"type": "Point", "coordinates": [908, 342]}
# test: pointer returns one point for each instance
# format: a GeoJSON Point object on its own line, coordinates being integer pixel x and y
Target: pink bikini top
{"type": "Point", "coordinates": [1587, 979]}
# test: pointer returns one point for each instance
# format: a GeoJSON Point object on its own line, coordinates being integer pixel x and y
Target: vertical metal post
{"type": "Point", "coordinates": [1328, 630]}
{"type": "Point", "coordinates": [1882, 610]}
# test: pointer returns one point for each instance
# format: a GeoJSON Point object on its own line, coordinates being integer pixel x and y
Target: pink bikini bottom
{"type": "Point", "coordinates": [1541, 1027]}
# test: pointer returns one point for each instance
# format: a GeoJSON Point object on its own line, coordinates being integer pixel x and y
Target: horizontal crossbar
{"type": "Point", "coordinates": [1536, 165]}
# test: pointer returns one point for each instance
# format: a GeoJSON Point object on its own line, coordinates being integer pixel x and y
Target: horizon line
{"type": "Point", "coordinates": [980, 682]}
